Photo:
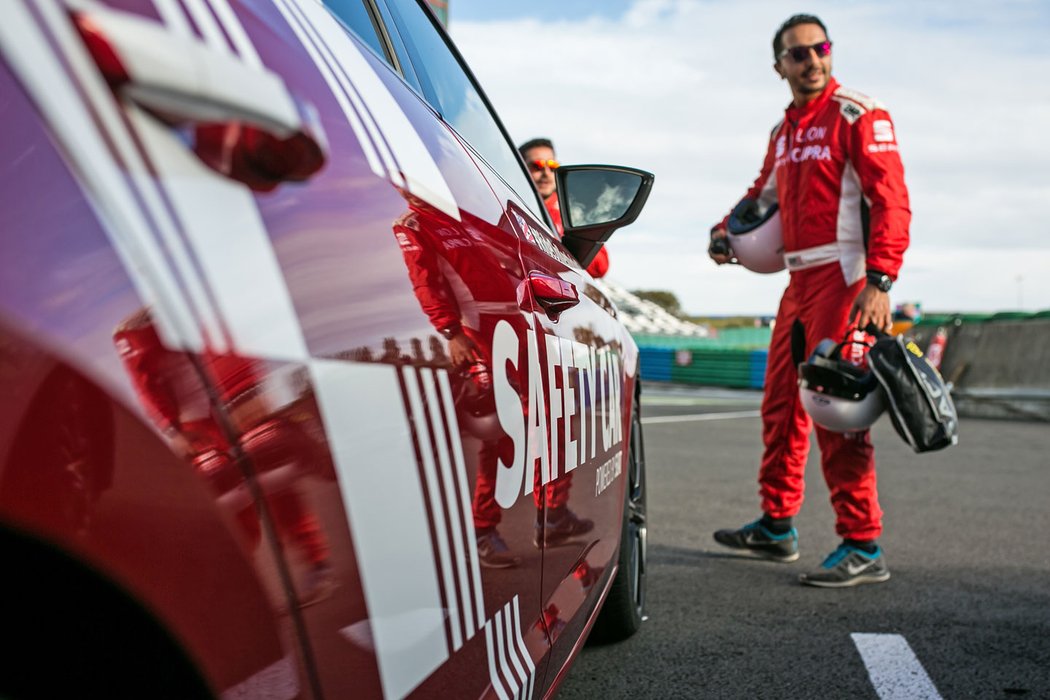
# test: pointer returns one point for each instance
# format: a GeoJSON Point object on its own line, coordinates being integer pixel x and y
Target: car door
{"type": "Point", "coordinates": [582, 382]}
{"type": "Point", "coordinates": [578, 357]}
{"type": "Point", "coordinates": [570, 448]}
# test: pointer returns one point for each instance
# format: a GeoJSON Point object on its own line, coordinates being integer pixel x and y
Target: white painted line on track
{"type": "Point", "coordinates": [894, 669]}
{"type": "Point", "coordinates": [699, 416]}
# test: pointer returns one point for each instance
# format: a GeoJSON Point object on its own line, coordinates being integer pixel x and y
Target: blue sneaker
{"type": "Point", "coordinates": [849, 566]}
{"type": "Point", "coordinates": [755, 540]}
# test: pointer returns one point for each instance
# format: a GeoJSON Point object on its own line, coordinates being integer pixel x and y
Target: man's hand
{"type": "Point", "coordinates": [715, 250]}
{"type": "Point", "coordinates": [871, 306]}
{"type": "Point", "coordinates": [461, 350]}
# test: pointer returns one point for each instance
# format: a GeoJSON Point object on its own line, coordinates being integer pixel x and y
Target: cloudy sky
{"type": "Point", "coordinates": [686, 89]}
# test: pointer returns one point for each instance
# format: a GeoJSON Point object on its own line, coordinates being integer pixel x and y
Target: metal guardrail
{"type": "Point", "coordinates": [1003, 393]}
{"type": "Point", "coordinates": [1003, 402]}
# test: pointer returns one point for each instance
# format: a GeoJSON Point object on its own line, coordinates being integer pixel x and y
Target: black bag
{"type": "Point", "coordinates": [920, 404]}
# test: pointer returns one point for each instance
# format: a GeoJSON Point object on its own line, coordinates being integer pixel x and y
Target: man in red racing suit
{"type": "Point", "coordinates": [833, 168]}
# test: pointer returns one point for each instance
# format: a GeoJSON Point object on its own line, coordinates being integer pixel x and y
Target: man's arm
{"type": "Point", "coordinates": [600, 265]}
{"type": "Point", "coordinates": [875, 156]}
{"type": "Point", "coordinates": [431, 288]}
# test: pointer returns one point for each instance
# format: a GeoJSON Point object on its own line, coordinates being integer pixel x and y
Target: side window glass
{"type": "Point", "coordinates": [449, 90]}
{"type": "Point", "coordinates": [356, 16]}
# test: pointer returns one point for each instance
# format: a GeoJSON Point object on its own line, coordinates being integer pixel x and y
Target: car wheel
{"type": "Point", "coordinates": [624, 608]}
{"type": "Point", "coordinates": [68, 616]}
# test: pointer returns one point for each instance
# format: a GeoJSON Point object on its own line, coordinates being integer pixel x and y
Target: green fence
{"type": "Point", "coordinates": [734, 338]}
{"type": "Point", "coordinates": [950, 319]}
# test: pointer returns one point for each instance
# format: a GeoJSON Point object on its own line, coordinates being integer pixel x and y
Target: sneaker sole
{"type": "Point", "coordinates": [747, 553]}
{"type": "Point", "coordinates": [855, 581]}
{"type": "Point", "coordinates": [778, 558]}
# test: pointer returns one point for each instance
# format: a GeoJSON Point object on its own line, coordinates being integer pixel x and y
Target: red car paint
{"type": "Point", "coordinates": [231, 392]}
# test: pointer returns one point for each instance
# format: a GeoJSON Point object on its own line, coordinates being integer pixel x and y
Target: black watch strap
{"type": "Point", "coordinates": [879, 280]}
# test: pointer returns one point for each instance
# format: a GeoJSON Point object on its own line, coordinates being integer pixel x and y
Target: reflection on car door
{"type": "Point", "coordinates": [579, 383]}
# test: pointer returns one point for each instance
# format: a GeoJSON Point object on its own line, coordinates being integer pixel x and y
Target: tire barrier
{"type": "Point", "coordinates": [715, 367]}
{"type": "Point", "coordinates": [736, 358]}
{"type": "Point", "coordinates": [656, 363]}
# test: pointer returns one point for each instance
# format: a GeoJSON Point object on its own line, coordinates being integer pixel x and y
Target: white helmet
{"type": "Point", "coordinates": [756, 237]}
{"type": "Point", "coordinates": [838, 394]}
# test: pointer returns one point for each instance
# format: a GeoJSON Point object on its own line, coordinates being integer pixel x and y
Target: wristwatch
{"type": "Point", "coordinates": [450, 332]}
{"type": "Point", "coordinates": [879, 280]}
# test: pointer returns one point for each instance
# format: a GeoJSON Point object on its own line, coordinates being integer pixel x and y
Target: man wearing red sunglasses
{"type": "Point", "coordinates": [539, 157]}
{"type": "Point", "coordinates": [833, 168]}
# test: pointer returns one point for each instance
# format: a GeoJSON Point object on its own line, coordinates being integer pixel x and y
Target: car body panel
{"type": "Point", "coordinates": [283, 466]}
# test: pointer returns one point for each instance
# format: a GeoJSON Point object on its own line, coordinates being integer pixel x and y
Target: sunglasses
{"type": "Point", "coordinates": [539, 164]}
{"type": "Point", "coordinates": [801, 53]}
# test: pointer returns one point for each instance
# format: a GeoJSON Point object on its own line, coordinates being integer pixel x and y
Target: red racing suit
{"type": "Point", "coordinates": [168, 384]}
{"type": "Point", "coordinates": [833, 168]}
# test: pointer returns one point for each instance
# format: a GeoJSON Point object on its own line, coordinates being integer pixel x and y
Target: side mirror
{"type": "Point", "coordinates": [596, 200]}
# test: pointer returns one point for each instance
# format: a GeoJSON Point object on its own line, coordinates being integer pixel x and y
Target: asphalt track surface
{"type": "Point", "coordinates": [966, 613]}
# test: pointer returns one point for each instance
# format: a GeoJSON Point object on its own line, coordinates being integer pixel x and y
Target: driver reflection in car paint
{"type": "Point", "coordinates": [168, 383]}
{"type": "Point", "coordinates": [465, 290]}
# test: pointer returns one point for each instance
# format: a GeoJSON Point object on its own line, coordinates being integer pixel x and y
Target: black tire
{"type": "Point", "coordinates": [79, 635]}
{"type": "Point", "coordinates": [624, 608]}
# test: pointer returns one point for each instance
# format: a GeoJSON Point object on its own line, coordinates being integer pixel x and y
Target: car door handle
{"type": "Point", "coordinates": [247, 125]}
{"type": "Point", "coordinates": [553, 294]}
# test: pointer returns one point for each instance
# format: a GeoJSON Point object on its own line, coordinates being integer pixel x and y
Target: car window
{"type": "Point", "coordinates": [450, 90]}
{"type": "Point", "coordinates": [356, 16]}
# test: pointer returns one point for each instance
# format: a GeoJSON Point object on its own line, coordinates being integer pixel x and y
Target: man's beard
{"type": "Point", "coordinates": [807, 88]}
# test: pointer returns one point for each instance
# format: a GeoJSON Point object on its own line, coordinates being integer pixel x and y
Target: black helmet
{"type": "Point", "coordinates": [837, 388]}
{"type": "Point", "coordinates": [475, 401]}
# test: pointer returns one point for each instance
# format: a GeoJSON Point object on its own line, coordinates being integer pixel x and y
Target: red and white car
{"type": "Point", "coordinates": [303, 398]}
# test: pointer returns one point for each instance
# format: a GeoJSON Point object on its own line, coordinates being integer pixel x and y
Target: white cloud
{"type": "Point", "coordinates": [685, 89]}
{"type": "Point", "coordinates": [610, 204]}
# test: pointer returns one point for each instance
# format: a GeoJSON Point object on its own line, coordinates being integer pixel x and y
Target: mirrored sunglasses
{"type": "Point", "coordinates": [801, 53]}
{"type": "Point", "coordinates": [539, 164]}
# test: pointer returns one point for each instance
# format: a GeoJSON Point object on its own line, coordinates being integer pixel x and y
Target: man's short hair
{"type": "Point", "coordinates": [535, 143]}
{"type": "Point", "coordinates": [793, 21]}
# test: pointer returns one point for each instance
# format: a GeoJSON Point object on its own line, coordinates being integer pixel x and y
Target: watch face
{"type": "Point", "coordinates": [882, 282]}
